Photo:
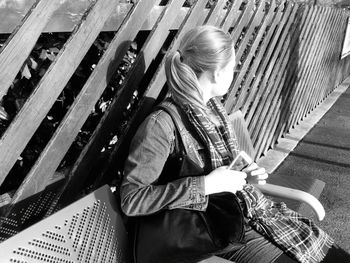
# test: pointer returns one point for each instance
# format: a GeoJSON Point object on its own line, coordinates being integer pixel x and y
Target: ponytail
{"type": "Point", "coordinates": [183, 82]}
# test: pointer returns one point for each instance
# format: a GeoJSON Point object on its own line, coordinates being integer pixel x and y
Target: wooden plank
{"type": "Point", "coordinates": [305, 70]}
{"type": "Point", "coordinates": [114, 113]}
{"type": "Point", "coordinates": [278, 128]}
{"type": "Point", "coordinates": [50, 86]}
{"type": "Point", "coordinates": [272, 92]}
{"type": "Point", "coordinates": [18, 47]}
{"type": "Point", "coordinates": [265, 68]}
{"type": "Point", "coordinates": [273, 114]}
{"type": "Point", "coordinates": [301, 70]}
{"type": "Point", "coordinates": [332, 65]}
{"type": "Point", "coordinates": [305, 67]}
{"type": "Point", "coordinates": [50, 158]}
{"type": "Point", "coordinates": [217, 14]}
{"type": "Point", "coordinates": [239, 37]}
{"type": "Point", "coordinates": [307, 84]}
{"type": "Point", "coordinates": [251, 69]}
{"type": "Point", "coordinates": [255, 21]}
{"type": "Point", "coordinates": [315, 94]}
{"type": "Point", "coordinates": [311, 77]}
{"type": "Point", "coordinates": [68, 15]}
{"type": "Point", "coordinates": [278, 117]}
{"type": "Point", "coordinates": [252, 56]}
{"type": "Point", "coordinates": [268, 106]}
{"type": "Point", "coordinates": [233, 15]}
{"type": "Point", "coordinates": [275, 70]}
{"type": "Point", "coordinates": [243, 21]}
{"type": "Point", "coordinates": [270, 140]}
{"type": "Point", "coordinates": [332, 69]}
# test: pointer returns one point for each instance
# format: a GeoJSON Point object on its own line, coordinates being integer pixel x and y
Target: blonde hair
{"type": "Point", "coordinates": [203, 48]}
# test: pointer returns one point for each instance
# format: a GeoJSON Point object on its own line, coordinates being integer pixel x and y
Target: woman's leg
{"type": "Point", "coordinates": [336, 255]}
{"type": "Point", "coordinates": [256, 250]}
{"type": "Point", "coordinates": [285, 259]}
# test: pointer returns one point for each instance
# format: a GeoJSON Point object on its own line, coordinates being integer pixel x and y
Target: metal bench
{"type": "Point", "coordinates": [91, 229]}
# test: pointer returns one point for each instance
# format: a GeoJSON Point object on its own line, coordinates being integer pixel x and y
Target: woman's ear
{"type": "Point", "coordinates": [207, 76]}
{"type": "Point", "coordinates": [216, 76]}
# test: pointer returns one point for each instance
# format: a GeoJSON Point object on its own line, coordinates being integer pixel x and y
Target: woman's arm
{"type": "Point", "coordinates": [148, 153]}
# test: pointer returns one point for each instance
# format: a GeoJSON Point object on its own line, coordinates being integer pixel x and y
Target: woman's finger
{"type": "Point", "coordinates": [251, 167]}
{"type": "Point", "coordinates": [258, 171]}
{"type": "Point", "coordinates": [263, 176]}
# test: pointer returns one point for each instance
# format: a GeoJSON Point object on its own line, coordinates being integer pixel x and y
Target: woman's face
{"type": "Point", "coordinates": [224, 79]}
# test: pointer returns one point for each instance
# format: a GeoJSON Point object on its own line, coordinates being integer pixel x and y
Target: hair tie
{"type": "Point", "coordinates": [181, 58]}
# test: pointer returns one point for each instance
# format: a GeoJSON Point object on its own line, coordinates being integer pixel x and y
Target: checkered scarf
{"type": "Point", "coordinates": [294, 234]}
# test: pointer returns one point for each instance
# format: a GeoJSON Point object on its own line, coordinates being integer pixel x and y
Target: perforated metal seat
{"type": "Point", "coordinates": [89, 230]}
{"type": "Point", "coordinates": [27, 212]}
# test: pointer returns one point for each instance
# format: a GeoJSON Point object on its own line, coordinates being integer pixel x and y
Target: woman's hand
{"type": "Point", "coordinates": [224, 180]}
{"type": "Point", "coordinates": [256, 174]}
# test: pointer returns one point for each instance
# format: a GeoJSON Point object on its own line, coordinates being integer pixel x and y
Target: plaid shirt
{"type": "Point", "coordinates": [294, 234]}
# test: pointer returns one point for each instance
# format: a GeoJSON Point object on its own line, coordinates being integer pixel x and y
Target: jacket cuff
{"type": "Point", "coordinates": [199, 201]}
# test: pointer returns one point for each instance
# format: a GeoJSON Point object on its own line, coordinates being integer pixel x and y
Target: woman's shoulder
{"type": "Point", "coordinates": [158, 122]}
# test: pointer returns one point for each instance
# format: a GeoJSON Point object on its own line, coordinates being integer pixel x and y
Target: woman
{"type": "Point", "coordinates": [197, 73]}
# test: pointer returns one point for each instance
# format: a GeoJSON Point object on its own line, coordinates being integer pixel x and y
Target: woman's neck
{"type": "Point", "coordinates": [206, 86]}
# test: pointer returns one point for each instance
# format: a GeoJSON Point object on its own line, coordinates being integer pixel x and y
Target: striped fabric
{"type": "Point", "coordinates": [294, 234]}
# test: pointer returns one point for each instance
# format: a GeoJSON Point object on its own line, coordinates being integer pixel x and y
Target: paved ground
{"type": "Point", "coordinates": [324, 153]}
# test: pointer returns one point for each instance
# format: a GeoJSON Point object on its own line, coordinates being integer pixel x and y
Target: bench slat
{"type": "Point", "coordinates": [22, 40]}
{"type": "Point", "coordinates": [233, 16]}
{"type": "Point", "coordinates": [216, 14]}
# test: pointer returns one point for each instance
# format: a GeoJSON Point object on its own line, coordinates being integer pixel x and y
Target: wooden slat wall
{"type": "Point", "coordinates": [288, 61]}
{"type": "Point", "coordinates": [39, 103]}
{"type": "Point", "coordinates": [291, 72]}
{"type": "Point", "coordinates": [309, 86]}
{"type": "Point", "coordinates": [304, 53]}
{"type": "Point", "coordinates": [53, 154]}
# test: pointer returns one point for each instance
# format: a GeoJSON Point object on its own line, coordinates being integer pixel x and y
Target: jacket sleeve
{"type": "Point", "coordinates": [148, 153]}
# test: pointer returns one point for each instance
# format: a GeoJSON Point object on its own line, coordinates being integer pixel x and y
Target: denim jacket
{"type": "Point", "coordinates": [150, 149]}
